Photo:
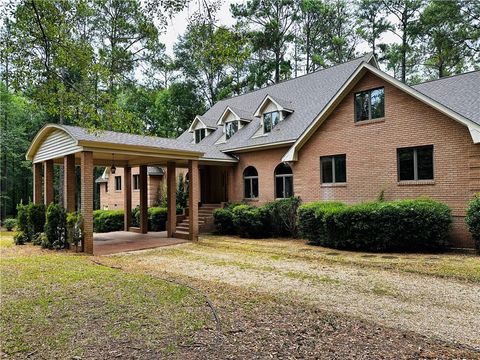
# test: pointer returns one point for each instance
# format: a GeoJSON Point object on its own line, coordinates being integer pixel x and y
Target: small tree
{"type": "Point", "coordinates": [36, 217]}
{"type": "Point", "coordinates": [22, 221]}
{"type": "Point", "coordinates": [55, 227]}
{"type": "Point", "coordinates": [182, 191]}
{"type": "Point", "coordinates": [74, 229]}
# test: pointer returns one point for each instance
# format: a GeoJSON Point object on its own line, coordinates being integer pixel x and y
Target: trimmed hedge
{"type": "Point", "coordinates": [36, 214]}
{"type": "Point", "coordinates": [250, 221]}
{"type": "Point", "coordinates": [55, 227]}
{"type": "Point", "coordinates": [311, 220]}
{"type": "Point", "coordinates": [473, 220]}
{"type": "Point", "coordinates": [404, 225]}
{"type": "Point", "coordinates": [283, 217]}
{"type": "Point", "coordinates": [157, 219]}
{"type": "Point", "coordinates": [223, 219]}
{"type": "Point", "coordinates": [107, 220]}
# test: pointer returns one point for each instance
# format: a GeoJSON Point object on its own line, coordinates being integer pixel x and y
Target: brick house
{"type": "Point", "coordinates": [346, 133]}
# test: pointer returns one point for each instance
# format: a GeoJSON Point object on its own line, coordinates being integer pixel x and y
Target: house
{"type": "Point", "coordinates": [346, 133]}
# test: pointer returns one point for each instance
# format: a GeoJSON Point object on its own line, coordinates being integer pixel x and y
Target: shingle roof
{"type": "Point", "coordinates": [460, 93]}
{"type": "Point", "coordinates": [307, 95]}
{"type": "Point", "coordinates": [113, 137]}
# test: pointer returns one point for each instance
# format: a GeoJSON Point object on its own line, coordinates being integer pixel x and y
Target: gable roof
{"type": "Point", "coordinates": [460, 93]}
{"type": "Point", "coordinates": [473, 126]}
{"type": "Point", "coordinates": [307, 94]}
{"type": "Point", "coordinates": [241, 114]}
{"type": "Point", "coordinates": [282, 105]}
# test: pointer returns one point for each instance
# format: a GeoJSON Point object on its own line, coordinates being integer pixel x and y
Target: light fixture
{"type": "Point", "coordinates": [113, 168]}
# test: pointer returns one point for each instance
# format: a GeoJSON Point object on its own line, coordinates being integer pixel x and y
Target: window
{"type": "Point", "coordinates": [270, 120]}
{"type": "Point", "coordinates": [230, 129]}
{"type": "Point", "coordinates": [250, 183]}
{"type": "Point", "coordinates": [118, 183]}
{"type": "Point", "coordinates": [136, 182]}
{"type": "Point", "coordinates": [334, 169]}
{"type": "Point", "coordinates": [200, 135]}
{"type": "Point", "coordinates": [370, 104]}
{"type": "Point", "coordinates": [106, 186]}
{"type": "Point", "coordinates": [283, 181]}
{"type": "Point", "coordinates": [415, 163]}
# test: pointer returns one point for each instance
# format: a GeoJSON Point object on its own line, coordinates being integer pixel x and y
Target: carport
{"type": "Point", "coordinates": [73, 146]}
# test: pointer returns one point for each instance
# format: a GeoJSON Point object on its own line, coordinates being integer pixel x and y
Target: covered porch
{"type": "Point", "coordinates": [73, 147]}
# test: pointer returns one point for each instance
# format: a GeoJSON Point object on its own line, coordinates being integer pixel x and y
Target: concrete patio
{"type": "Point", "coordinates": [121, 241]}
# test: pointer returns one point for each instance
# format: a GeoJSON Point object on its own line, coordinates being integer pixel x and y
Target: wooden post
{"type": "Point", "coordinates": [86, 166]}
{"type": "Point", "coordinates": [193, 198]}
{"type": "Point", "coordinates": [48, 182]}
{"type": "Point", "coordinates": [37, 183]}
{"type": "Point", "coordinates": [171, 199]}
{"type": "Point", "coordinates": [143, 200]}
{"type": "Point", "coordinates": [69, 182]}
{"type": "Point", "coordinates": [127, 193]}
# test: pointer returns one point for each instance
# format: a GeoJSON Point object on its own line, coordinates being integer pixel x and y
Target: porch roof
{"type": "Point", "coordinates": [54, 141]}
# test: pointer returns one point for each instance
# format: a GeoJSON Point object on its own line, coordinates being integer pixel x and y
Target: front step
{"type": "Point", "coordinates": [205, 221]}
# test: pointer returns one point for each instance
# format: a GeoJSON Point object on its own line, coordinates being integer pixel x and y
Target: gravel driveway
{"type": "Point", "coordinates": [445, 308]}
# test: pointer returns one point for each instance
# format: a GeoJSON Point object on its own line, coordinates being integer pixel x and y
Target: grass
{"type": "Point", "coordinates": [63, 305]}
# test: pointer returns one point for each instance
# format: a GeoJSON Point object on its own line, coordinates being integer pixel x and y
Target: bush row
{"type": "Point", "coordinates": [473, 220]}
{"type": "Point", "coordinates": [112, 220]}
{"type": "Point", "coordinates": [277, 218]}
{"type": "Point", "coordinates": [404, 225]}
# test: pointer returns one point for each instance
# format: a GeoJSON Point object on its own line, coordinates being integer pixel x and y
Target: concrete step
{"type": "Point", "coordinates": [182, 235]}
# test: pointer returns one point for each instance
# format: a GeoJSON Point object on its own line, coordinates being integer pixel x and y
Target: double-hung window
{"type": "Point", "coordinates": [136, 182]}
{"type": "Point", "coordinates": [333, 169]}
{"type": "Point", "coordinates": [118, 183]}
{"type": "Point", "coordinates": [231, 128]}
{"type": "Point", "coordinates": [283, 181]}
{"type": "Point", "coordinates": [370, 104]}
{"type": "Point", "coordinates": [200, 135]}
{"type": "Point", "coordinates": [415, 163]}
{"type": "Point", "coordinates": [250, 180]}
{"type": "Point", "coordinates": [270, 120]}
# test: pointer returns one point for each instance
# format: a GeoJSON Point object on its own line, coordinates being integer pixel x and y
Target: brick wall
{"type": "Point", "coordinates": [371, 150]}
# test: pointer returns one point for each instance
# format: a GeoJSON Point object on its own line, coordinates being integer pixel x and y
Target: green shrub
{"type": "Point", "coordinates": [283, 216]}
{"type": "Point", "coordinates": [181, 191]}
{"type": "Point", "coordinates": [157, 218]}
{"type": "Point", "coordinates": [36, 217]}
{"type": "Point", "coordinates": [20, 238]}
{"type": "Point", "coordinates": [55, 227]}
{"type": "Point", "coordinates": [311, 220]}
{"type": "Point", "coordinates": [250, 221]}
{"type": "Point", "coordinates": [74, 228]}
{"type": "Point", "coordinates": [404, 225]}
{"type": "Point", "coordinates": [107, 220]}
{"type": "Point", "coordinates": [39, 238]}
{"type": "Point", "coordinates": [223, 219]}
{"type": "Point", "coordinates": [473, 220]}
{"type": "Point", "coordinates": [10, 224]}
{"type": "Point", "coordinates": [22, 220]}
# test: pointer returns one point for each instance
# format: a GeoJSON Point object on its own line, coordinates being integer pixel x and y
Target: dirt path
{"type": "Point", "coordinates": [432, 306]}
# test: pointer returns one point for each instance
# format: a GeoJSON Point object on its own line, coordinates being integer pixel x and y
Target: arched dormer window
{"type": "Point", "coordinates": [283, 181]}
{"type": "Point", "coordinates": [250, 183]}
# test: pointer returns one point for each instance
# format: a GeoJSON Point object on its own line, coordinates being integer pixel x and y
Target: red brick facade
{"type": "Point", "coordinates": [371, 153]}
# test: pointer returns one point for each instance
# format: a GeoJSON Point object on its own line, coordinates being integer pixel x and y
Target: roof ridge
{"type": "Point", "coordinates": [295, 78]}
{"type": "Point", "coordinates": [446, 77]}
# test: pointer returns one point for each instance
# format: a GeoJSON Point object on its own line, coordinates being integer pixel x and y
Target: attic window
{"type": "Point", "coordinates": [270, 120]}
{"type": "Point", "coordinates": [231, 128]}
{"type": "Point", "coordinates": [370, 104]}
{"type": "Point", "coordinates": [200, 135]}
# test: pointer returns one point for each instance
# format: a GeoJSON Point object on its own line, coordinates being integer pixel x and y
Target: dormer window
{"type": "Point", "coordinates": [200, 135]}
{"type": "Point", "coordinates": [270, 120]}
{"type": "Point", "coordinates": [231, 128]}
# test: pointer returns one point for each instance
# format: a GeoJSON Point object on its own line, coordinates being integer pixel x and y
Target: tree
{"type": "Point", "coordinates": [207, 54]}
{"type": "Point", "coordinates": [444, 34]}
{"type": "Point", "coordinates": [372, 21]}
{"type": "Point", "coordinates": [407, 14]}
{"type": "Point", "coordinates": [273, 21]}
{"type": "Point", "coordinates": [311, 30]}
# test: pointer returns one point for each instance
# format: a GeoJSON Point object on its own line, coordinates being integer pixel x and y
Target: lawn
{"type": "Point", "coordinates": [274, 298]}
{"type": "Point", "coordinates": [59, 305]}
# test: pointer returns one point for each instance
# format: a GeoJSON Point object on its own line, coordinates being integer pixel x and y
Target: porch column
{"type": "Point", "coordinates": [69, 182]}
{"type": "Point", "coordinates": [171, 199]}
{"type": "Point", "coordinates": [37, 183]}
{"type": "Point", "coordinates": [48, 182]}
{"type": "Point", "coordinates": [193, 198]}
{"type": "Point", "coordinates": [143, 200]}
{"type": "Point", "coordinates": [86, 166]}
{"type": "Point", "coordinates": [127, 200]}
